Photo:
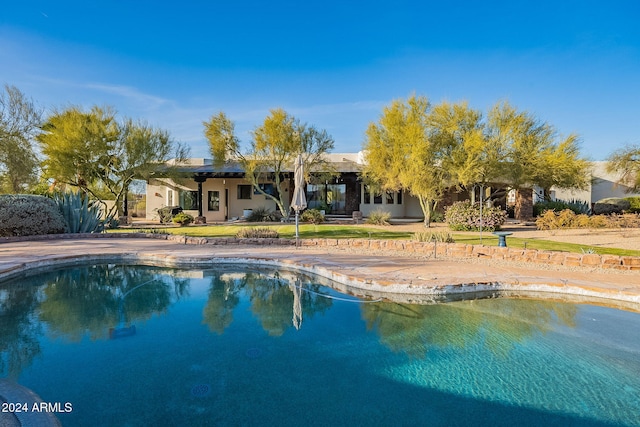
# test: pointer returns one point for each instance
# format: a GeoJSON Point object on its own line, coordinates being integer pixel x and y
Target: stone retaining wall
{"type": "Point", "coordinates": [459, 250]}
{"type": "Point", "coordinates": [452, 250]}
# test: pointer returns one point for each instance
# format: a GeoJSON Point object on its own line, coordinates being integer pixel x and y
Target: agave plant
{"type": "Point", "coordinates": [81, 214]}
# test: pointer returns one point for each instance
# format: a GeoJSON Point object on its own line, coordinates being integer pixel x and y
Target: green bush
{"type": "Point", "coordinates": [29, 215]}
{"type": "Point", "coordinates": [313, 216]}
{"type": "Point", "coordinates": [612, 205]}
{"type": "Point", "coordinates": [378, 217]}
{"type": "Point", "coordinates": [541, 207]}
{"type": "Point", "coordinates": [257, 233]}
{"type": "Point", "coordinates": [182, 219]}
{"type": "Point", "coordinates": [463, 216]}
{"type": "Point", "coordinates": [437, 216]}
{"type": "Point", "coordinates": [433, 236]}
{"type": "Point", "coordinates": [81, 214]}
{"type": "Point", "coordinates": [634, 204]}
{"type": "Point", "coordinates": [166, 213]}
{"type": "Point", "coordinates": [112, 224]}
{"type": "Point", "coordinates": [576, 206]}
{"type": "Point", "coordinates": [262, 215]}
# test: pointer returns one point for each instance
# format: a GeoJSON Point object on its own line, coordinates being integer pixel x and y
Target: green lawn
{"type": "Point", "coordinates": [286, 231]}
{"type": "Point", "coordinates": [309, 231]}
{"type": "Point", "coordinates": [546, 245]}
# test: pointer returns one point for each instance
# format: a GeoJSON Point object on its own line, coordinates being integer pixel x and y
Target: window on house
{"type": "Point", "coordinates": [270, 189]}
{"type": "Point", "coordinates": [244, 192]}
{"type": "Point", "coordinates": [367, 195]}
{"type": "Point", "coordinates": [169, 197]}
{"type": "Point", "coordinates": [399, 197]}
{"type": "Point", "coordinates": [213, 200]}
{"type": "Point", "coordinates": [377, 199]}
{"type": "Point", "coordinates": [189, 200]}
{"type": "Point", "coordinates": [390, 197]}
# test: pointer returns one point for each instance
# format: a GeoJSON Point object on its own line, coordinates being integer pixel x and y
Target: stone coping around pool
{"type": "Point", "coordinates": [12, 392]}
{"type": "Point", "coordinates": [415, 289]}
{"type": "Point", "coordinates": [429, 249]}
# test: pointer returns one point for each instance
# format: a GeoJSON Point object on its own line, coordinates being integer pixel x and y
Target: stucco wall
{"type": "Point", "coordinates": [230, 207]}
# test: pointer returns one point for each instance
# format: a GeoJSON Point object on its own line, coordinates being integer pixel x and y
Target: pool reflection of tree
{"type": "Point", "coordinates": [270, 296]}
{"type": "Point", "coordinates": [19, 330]}
{"type": "Point", "coordinates": [90, 300]}
{"type": "Point", "coordinates": [414, 329]}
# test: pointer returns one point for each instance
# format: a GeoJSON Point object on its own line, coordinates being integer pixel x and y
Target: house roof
{"type": "Point", "coordinates": [341, 162]}
{"type": "Point", "coordinates": [206, 169]}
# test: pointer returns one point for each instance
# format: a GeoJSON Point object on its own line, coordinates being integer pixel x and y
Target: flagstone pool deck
{"type": "Point", "coordinates": [376, 274]}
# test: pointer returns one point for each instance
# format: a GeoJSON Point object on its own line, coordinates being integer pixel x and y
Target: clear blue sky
{"type": "Point", "coordinates": [334, 64]}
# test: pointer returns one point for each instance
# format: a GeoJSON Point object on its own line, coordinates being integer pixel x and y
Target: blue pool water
{"type": "Point", "coordinates": [142, 346]}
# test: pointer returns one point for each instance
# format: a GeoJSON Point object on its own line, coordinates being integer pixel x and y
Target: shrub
{"type": "Point", "coordinates": [547, 221]}
{"type": "Point", "coordinates": [610, 206]}
{"type": "Point", "coordinates": [634, 204]}
{"type": "Point", "coordinates": [463, 216]}
{"type": "Point", "coordinates": [29, 215]}
{"type": "Point", "coordinates": [437, 216]}
{"type": "Point", "coordinates": [81, 214]}
{"type": "Point", "coordinates": [433, 236]}
{"type": "Point", "coordinates": [167, 213]}
{"type": "Point", "coordinates": [313, 216]}
{"type": "Point", "coordinates": [378, 217]}
{"type": "Point", "coordinates": [540, 208]}
{"type": "Point", "coordinates": [112, 224]}
{"type": "Point", "coordinates": [551, 220]}
{"type": "Point", "coordinates": [257, 233]}
{"type": "Point", "coordinates": [262, 215]}
{"type": "Point", "coordinates": [576, 206]}
{"type": "Point", "coordinates": [579, 206]}
{"type": "Point", "coordinates": [599, 221]}
{"type": "Point", "coordinates": [182, 219]}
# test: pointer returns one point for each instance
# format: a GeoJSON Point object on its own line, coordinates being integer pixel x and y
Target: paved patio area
{"type": "Point", "coordinates": [393, 276]}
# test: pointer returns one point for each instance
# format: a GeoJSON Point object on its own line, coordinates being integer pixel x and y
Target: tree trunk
{"type": "Point", "coordinates": [427, 206]}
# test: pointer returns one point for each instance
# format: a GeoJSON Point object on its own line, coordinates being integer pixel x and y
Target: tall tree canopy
{"type": "Point", "coordinates": [19, 124]}
{"type": "Point", "coordinates": [532, 152]}
{"type": "Point", "coordinates": [626, 162]}
{"type": "Point", "coordinates": [401, 154]}
{"type": "Point", "coordinates": [426, 150]}
{"type": "Point", "coordinates": [274, 146]}
{"type": "Point", "coordinates": [98, 154]}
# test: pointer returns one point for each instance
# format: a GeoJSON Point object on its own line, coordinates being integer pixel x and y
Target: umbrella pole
{"type": "Point", "coordinates": [297, 232]}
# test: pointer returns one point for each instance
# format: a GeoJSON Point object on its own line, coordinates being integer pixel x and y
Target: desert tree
{"type": "Point", "coordinates": [101, 156]}
{"type": "Point", "coordinates": [625, 162]}
{"type": "Point", "coordinates": [19, 124]}
{"type": "Point", "coordinates": [534, 153]}
{"type": "Point", "coordinates": [401, 154]}
{"type": "Point", "coordinates": [272, 150]}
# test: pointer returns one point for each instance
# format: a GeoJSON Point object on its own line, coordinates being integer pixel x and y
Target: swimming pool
{"type": "Point", "coordinates": [134, 345]}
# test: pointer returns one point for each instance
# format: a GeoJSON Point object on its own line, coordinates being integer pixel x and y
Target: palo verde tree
{"type": "Point", "coordinates": [139, 150]}
{"type": "Point", "coordinates": [402, 155]}
{"type": "Point", "coordinates": [94, 152]}
{"type": "Point", "coordinates": [19, 124]}
{"type": "Point", "coordinates": [470, 156]}
{"type": "Point", "coordinates": [274, 146]}
{"type": "Point", "coordinates": [79, 147]}
{"type": "Point", "coordinates": [626, 163]}
{"type": "Point", "coordinates": [534, 153]}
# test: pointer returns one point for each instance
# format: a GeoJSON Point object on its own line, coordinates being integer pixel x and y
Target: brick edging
{"type": "Point", "coordinates": [452, 250]}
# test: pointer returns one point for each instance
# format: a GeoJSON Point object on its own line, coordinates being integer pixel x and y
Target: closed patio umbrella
{"type": "Point", "coordinates": [296, 288]}
{"type": "Point", "coordinates": [299, 201]}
